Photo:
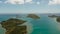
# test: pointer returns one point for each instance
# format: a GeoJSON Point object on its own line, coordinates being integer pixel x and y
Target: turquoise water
{"type": "Point", "coordinates": [44, 25]}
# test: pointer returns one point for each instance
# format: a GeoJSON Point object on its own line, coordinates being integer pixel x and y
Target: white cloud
{"type": "Point", "coordinates": [20, 2]}
{"type": "Point", "coordinates": [38, 3]}
{"type": "Point", "coordinates": [51, 2]}
{"type": "Point", "coordinates": [17, 1]}
{"type": "Point", "coordinates": [28, 0]}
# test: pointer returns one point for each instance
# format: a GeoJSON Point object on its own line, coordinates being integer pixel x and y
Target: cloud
{"type": "Point", "coordinates": [53, 2]}
{"type": "Point", "coordinates": [38, 3]}
{"type": "Point", "coordinates": [20, 2]}
{"type": "Point", "coordinates": [28, 0]}
{"type": "Point", "coordinates": [17, 1]}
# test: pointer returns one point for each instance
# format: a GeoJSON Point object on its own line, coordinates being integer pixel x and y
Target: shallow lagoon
{"type": "Point", "coordinates": [44, 25]}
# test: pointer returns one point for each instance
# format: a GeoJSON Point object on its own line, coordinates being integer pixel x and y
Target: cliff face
{"type": "Point", "coordinates": [11, 26]}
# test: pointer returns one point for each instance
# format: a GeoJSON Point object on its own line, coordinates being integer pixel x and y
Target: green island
{"type": "Point", "coordinates": [58, 19]}
{"type": "Point", "coordinates": [33, 16]}
{"type": "Point", "coordinates": [11, 26]}
{"type": "Point", "coordinates": [53, 16]}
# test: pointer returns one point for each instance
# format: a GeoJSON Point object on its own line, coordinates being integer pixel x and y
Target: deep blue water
{"type": "Point", "coordinates": [44, 25]}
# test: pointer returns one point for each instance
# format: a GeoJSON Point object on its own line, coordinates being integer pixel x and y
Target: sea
{"type": "Point", "coordinates": [44, 25]}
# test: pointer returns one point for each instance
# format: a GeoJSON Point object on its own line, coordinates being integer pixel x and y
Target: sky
{"type": "Point", "coordinates": [29, 6]}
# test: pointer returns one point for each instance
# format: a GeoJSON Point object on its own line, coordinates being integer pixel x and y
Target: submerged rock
{"type": "Point", "coordinates": [11, 26]}
{"type": "Point", "coordinates": [33, 16]}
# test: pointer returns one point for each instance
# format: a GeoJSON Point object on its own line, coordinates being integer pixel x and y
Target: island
{"type": "Point", "coordinates": [11, 26]}
{"type": "Point", "coordinates": [58, 19]}
{"type": "Point", "coordinates": [33, 16]}
{"type": "Point", "coordinates": [53, 16]}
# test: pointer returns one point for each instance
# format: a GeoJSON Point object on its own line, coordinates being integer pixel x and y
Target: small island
{"type": "Point", "coordinates": [33, 16]}
{"type": "Point", "coordinates": [58, 19]}
{"type": "Point", "coordinates": [11, 26]}
{"type": "Point", "coordinates": [53, 16]}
